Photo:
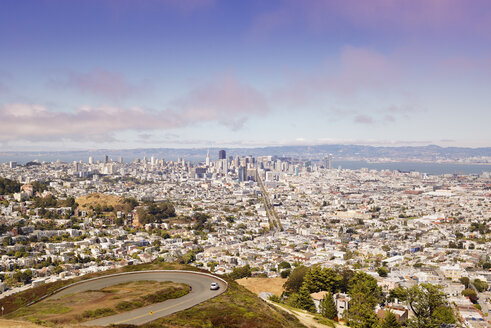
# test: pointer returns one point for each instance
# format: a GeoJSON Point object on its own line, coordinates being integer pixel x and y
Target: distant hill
{"type": "Point", "coordinates": [428, 153]}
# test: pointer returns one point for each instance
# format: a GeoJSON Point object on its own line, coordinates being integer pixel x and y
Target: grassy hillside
{"type": "Point", "coordinates": [237, 307]}
{"type": "Point", "coordinates": [92, 304]}
{"type": "Point", "coordinates": [13, 302]}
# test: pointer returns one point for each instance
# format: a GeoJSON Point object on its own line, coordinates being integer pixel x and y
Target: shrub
{"type": "Point", "coordinates": [102, 312]}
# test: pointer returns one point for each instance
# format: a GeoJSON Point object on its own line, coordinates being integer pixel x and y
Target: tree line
{"type": "Point", "coordinates": [426, 301]}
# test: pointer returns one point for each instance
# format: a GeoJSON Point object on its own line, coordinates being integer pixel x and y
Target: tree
{"type": "Point", "coordinates": [318, 279]}
{"type": "Point", "coordinates": [481, 227]}
{"type": "Point", "coordinates": [328, 307]}
{"type": "Point", "coordinates": [398, 293]}
{"type": "Point", "coordinates": [366, 284]}
{"type": "Point", "coordinates": [305, 300]}
{"type": "Point", "coordinates": [241, 272]}
{"type": "Point", "coordinates": [361, 314]}
{"type": "Point", "coordinates": [383, 272]}
{"type": "Point", "coordinates": [480, 285]}
{"type": "Point", "coordinates": [343, 279]}
{"type": "Point", "coordinates": [295, 279]}
{"type": "Point", "coordinates": [471, 294]}
{"type": "Point", "coordinates": [427, 301]}
{"type": "Point", "coordinates": [390, 321]}
{"type": "Point", "coordinates": [365, 294]}
{"type": "Point", "coordinates": [465, 281]}
{"type": "Point", "coordinates": [284, 265]}
{"type": "Point", "coordinates": [8, 186]}
{"type": "Point", "coordinates": [188, 258]}
{"type": "Point", "coordinates": [285, 273]}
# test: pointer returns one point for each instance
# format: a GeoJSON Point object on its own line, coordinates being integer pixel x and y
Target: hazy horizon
{"type": "Point", "coordinates": [129, 74]}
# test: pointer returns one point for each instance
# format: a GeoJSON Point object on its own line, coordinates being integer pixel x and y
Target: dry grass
{"type": "Point", "coordinates": [17, 324]}
{"type": "Point", "coordinates": [258, 285]}
{"type": "Point", "coordinates": [94, 199]}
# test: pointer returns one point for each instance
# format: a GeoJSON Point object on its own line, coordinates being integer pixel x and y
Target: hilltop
{"type": "Point", "coordinates": [237, 307]}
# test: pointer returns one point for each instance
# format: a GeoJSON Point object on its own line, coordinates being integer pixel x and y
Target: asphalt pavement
{"type": "Point", "coordinates": [200, 292]}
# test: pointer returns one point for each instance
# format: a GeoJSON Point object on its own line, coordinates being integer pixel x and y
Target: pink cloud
{"type": "Point", "coordinates": [101, 83]}
{"type": "Point", "coordinates": [225, 101]}
{"type": "Point", "coordinates": [386, 16]}
{"type": "Point", "coordinates": [356, 70]}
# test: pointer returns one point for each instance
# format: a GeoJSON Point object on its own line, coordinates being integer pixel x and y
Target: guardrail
{"type": "Point", "coordinates": [128, 273]}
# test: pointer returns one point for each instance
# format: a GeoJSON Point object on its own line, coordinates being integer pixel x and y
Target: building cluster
{"type": "Point", "coordinates": [421, 228]}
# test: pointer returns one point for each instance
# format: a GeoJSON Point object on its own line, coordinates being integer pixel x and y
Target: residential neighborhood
{"type": "Point", "coordinates": [59, 220]}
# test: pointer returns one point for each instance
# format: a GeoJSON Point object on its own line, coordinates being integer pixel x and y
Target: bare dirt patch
{"type": "Point", "coordinates": [258, 285]}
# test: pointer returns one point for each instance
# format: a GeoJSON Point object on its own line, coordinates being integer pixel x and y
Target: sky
{"type": "Point", "coordinates": [92, 74]}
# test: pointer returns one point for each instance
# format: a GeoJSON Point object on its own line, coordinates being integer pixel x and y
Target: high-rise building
{"type": "Point", "coordinates": [242, 173]}
{"type": "Point", "coordinates": [106, 159]}
{"type": "Point", "coordinates": [120, 160]}
{"type": "Point", "coordinates": [91, 160]}
{"type": "Point", "coordinates": [208, 158]}
{"type": "Point", "coordinates": [224, 166]}
{"type": "Point", "coordinates": [330, 161]}
{"type": "Point", "coordinates": [222, 154]}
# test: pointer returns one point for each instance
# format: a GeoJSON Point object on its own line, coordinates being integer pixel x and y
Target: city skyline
{"type": "Point", "coordinates": [209, 73]}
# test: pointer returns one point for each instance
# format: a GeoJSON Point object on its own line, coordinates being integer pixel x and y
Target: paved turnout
{"type": "Point", "coordinates": [200, 292]}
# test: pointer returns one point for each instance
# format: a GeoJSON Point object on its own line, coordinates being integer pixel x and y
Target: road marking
{"type": "Point", "coordinates": [144, 315]}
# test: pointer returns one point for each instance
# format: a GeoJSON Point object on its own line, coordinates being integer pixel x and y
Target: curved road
{"type": "Point", "coordinates": [200, 284]}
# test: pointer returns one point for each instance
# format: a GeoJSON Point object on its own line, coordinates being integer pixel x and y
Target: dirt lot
{"type": "Point", "coordinates": [71, 309]}
{"type": "Point", "coordinates": [257, 285]}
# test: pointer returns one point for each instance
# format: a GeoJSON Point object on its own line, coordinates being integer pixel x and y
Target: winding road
{"type": "Point", "coordinates": [200, 292]}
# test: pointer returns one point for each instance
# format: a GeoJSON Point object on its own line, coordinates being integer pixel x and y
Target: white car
{"type": "Point", "coordinates": [214, 286]}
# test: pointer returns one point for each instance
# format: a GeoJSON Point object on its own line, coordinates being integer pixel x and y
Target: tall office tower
{"type": "Point", "coordinates": [120, 160]}
{"type": "Point", "coordinates": [223, 166]}
{"type": "Point", "coordinates": [76, 166]}
{"type": "Point", "coordinates": [106, 159]}
{"type": "Point", "coordinates": [330, 161]}
{"type": "Point", "coordinates": [208, 158]}
{"type": "Point", "coordinates": [222, 154]}
{"type": "Point", "coordinates": [152, 160]}
{"type": "Point", "coordinates": [242, 173]}
{"type": "Point", "coordinates": [91, 160]}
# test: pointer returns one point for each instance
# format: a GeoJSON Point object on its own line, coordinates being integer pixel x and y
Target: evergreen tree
{"type": "Point", "coordinates": [328, 307]}
{"type": "Point", "coordinates": [365, 294]}
{"type": "Point", "coordinates": [318, 279]}
{"type": "Point", "coordinates": [295, 280]}
{"type": "Point", "coordinates": [361, 313]}
{"type": "Point", "coordinates": [390, 321]}
{"type": "Point", "coordinates": [304, 300]}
